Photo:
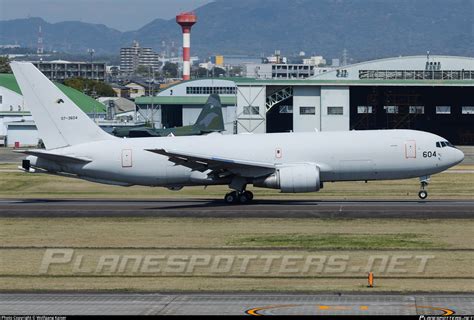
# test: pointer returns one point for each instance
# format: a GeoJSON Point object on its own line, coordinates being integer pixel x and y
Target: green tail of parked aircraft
{"type": "Point", "coordinates": [210, 120]}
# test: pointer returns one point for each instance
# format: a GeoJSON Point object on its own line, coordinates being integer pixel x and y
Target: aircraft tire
{"type": "Point", "coordinates": [249, 195]}
{"type": "Point", "coordinates": [244, 198]}
{"type": "Point", "coordinates": [423, 194]}
{"type": "Point", "coordinates": [231, 197]}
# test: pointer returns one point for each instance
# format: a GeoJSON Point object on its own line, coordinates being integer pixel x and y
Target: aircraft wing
{"type": "Point", "coordinates": [54, 157]}
{"type": "Point", "coordinates": [218, 165]}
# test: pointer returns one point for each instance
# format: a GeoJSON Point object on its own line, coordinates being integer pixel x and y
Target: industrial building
{"type": "Point", "coordinates": [430, 93]}
{"type": "Point", "coordinates": [280, 70]}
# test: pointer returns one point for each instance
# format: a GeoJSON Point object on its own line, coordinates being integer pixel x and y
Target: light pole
{"type": "Point", "coordinates": [150, 93]}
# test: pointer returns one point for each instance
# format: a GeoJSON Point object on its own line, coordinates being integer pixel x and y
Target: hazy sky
{"type": "Point", "coordinates": [124, 15]}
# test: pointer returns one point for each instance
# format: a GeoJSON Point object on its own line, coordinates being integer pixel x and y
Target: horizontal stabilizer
{"type": "Point", "coordinates": [54, 157]}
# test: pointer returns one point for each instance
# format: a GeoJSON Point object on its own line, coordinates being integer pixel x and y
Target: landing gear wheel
{"type": "Point", "coordinates": [231, 197]}
{"type": "Point", "coordinates": [423, 194]}
{"type": "Point", "coordinates": [244, 197]}
{"type": "Point", "coordinates": [249, 195]}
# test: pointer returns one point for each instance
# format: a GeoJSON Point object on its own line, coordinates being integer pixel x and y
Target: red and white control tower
{"type": "Point", "coordinates": [186, 20]}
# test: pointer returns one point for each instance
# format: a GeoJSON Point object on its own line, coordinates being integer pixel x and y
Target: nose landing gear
{"type": "Point", "coordinates": [423, 194]}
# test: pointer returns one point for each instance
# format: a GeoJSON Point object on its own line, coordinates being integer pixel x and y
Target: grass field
{"type": "Point", "coordinates": [450, 185]}
{"type": "Point", "coordinates": [447, 243]}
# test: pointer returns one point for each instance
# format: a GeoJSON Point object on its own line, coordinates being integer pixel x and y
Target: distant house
{"type": "Point", "coordinates": [121, 91]}
{"type": "Point", "coordinates": [118, 107]}
{"type": "Point", "coordinates": [136, 89]}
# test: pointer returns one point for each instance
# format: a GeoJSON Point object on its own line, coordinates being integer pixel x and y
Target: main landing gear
{"type": "Point", "coordinates": [423, 194]}
{"type": "Point", "coordinates": [238, 197]}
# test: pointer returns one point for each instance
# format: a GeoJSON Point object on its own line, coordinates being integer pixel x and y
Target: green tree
{"type": "Point", "coordinates": [142, 70]}
{"type": "Point", "coordinates": [5, 65]}
{"type": "Point", "coordinates": [92, 88]}
{"type": "Point", "coordinates": [201, 73]}
{"type": "Point", "coordinates": [170, 70]}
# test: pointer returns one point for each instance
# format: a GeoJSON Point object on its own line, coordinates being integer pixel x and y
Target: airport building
{"type": "Point", "coordinates": [430, 93]}
{"type": "Point", "coordinates": [180, 105]}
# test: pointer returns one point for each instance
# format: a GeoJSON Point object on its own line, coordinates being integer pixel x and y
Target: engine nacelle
{"type": "Point", "coordinates": [293, 179]}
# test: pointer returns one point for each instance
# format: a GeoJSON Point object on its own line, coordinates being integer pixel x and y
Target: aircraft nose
{"type": "Point", "coordinates": [459, 156]}
{"type": "Point", "coordinates": [455, 157]}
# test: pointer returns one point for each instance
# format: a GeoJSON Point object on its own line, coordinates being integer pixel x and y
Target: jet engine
{"type": "Point", "coordinates": [293, 179]}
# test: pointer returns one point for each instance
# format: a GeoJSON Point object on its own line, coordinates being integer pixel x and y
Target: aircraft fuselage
{"type": "Point", "coordinates": [340, 156]}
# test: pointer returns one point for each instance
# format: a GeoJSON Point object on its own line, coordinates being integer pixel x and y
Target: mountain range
{"type": "Point", "coordinates": [366, 28]}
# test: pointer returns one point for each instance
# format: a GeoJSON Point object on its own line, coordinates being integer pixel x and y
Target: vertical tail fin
{"type": "Point", "coordinates": [210, 119]}
{"type": "Point", "coordinates": [59, 120]}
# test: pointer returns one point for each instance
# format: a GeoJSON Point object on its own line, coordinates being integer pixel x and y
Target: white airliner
{"type": "Point", "coordinates": [290, 162]}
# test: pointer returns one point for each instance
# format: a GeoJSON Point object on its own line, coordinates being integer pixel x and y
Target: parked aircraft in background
{"type": "Point", "coordinates": [290, 162]}
{"type": "Point", "coordinates": [210, 120]}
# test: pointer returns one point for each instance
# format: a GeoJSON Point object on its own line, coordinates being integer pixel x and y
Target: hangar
{"type": "Point", "coordinates": [430, 93]}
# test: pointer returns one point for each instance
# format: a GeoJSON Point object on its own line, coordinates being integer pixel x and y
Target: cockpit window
{"type": "Point", "coordinates": [442, 144]}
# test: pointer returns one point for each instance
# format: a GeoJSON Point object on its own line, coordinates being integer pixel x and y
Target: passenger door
{"type": "Point", "coordinates": [410, 149]}
{"type": "Point", "coordinates": [127, 158]}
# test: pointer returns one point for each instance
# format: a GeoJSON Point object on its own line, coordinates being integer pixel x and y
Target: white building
{"type": "Point", "coordinates": [315, 61]}
{"type": "Point", "coordinates": [279, 70]}
{"type": "Point", "coordinates": [133, 57]}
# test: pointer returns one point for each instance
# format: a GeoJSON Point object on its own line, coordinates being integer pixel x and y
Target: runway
{"type": "Point", "coordinates": [235, 304]}
{"type": "Point", "coordinates": [459, 209]}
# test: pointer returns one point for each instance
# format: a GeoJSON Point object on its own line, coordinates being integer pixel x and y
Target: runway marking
{"type": "Point", "coordinates": [447, 312]}
{"type": "Point", "coordinates": [255, 311]}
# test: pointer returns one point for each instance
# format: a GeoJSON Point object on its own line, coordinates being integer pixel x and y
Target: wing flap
{"type": "Point", "coordinates": [220, 165]}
